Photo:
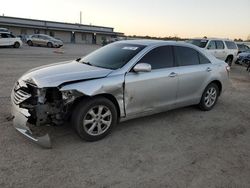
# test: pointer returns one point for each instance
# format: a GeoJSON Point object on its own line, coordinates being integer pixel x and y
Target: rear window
{"type": "Point", "coordinates": [231, 45]}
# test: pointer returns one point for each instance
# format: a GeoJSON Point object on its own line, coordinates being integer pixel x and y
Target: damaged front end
{"type": "Point", "coordinates": [33, 108]}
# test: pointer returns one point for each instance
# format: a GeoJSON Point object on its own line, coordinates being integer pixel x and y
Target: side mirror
{"type": "Point", "coordinates": [142, 67]}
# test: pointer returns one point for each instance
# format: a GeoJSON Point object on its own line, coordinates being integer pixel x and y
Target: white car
{"type": "Point", "coordinates": [223, 49]}
{"type": "Point", "coordinates": [7, 39]}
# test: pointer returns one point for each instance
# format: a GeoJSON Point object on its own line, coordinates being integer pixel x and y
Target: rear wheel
{"type": "Point", "coordinates": [30, 43]}
{"type": "Point", "coordinates": [229, 60]}
{"type": "Point", "coordinates": [49, 44]}
{"type": "Point", "coordinates": [209, 97]}
{"type": "Point", "coordinates": [16, 45]}
{"type": "Point", "coordinates": [94, 118]}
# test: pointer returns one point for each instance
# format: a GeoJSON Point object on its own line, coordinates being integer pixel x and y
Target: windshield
{"type": "Point", "coordinates": [247, 50]}
{"type": "Point", "coordinates": [113, 56]}
{"type": "Point", "coordinates": [198, 42]}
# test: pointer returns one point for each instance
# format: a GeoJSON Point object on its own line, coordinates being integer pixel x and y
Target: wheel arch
{"type": "Point", "coordinates": [218, 83]}
{"type": "Point", "coordinates": [105, 95]}
{"type": "Point", "coordinates": [230, 56]}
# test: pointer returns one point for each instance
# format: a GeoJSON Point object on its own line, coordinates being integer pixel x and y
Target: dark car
{"type": "Point", "coordinates": [242, 48]}
{"type": "Point", "coordinates": [243, 57]}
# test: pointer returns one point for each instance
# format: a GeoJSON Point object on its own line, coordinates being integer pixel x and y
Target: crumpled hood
{"type": "Point", "coordinates": [56, 74]}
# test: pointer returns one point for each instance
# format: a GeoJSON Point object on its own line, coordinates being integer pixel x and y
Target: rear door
{"type": "Point", "coordinates": [43, 40]}
{"type": "Point", "coordinates": [155, 90]}
{"type": "Point", "coordinates": [5, 39]}
{"type": "Point", "coordinates": [35, 39]}
{"type": "Point", "coordinates": [220, 50]}
{"type": "Point", "coordinates": [2, 40]}
{"type": "Point", "coordinates": [194, 69]}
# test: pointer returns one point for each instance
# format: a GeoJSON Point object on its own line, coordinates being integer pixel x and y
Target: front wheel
{"type": "Point", "coordinates": [209, 97]}
{"type": "Point", "coordinates": [94, 118]}
{"type": "Point", "coordinates": [30, 43]}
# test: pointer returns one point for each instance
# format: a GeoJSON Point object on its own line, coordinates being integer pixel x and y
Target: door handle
{"type": "Point", "coordinates": [209, 69]}
{"type": "Point", "coordinates": [172, 74]}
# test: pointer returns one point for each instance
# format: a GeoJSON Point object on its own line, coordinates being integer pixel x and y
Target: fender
{"type": "Point", "coordinates": [113, 85]}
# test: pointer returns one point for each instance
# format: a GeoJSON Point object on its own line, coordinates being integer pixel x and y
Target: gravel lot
{"type": "Point", "coordinates": [179, 148]}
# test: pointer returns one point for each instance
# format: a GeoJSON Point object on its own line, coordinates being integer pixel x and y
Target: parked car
{"type": "Point", "coordinates": [4, 30]}
{"type": "Point", "coordinates": [121, 81]}
{"type": "Point", "coordinates": [223, 49]}
{"type": "Point", "coordinates": [244, 58]}
{"type": "Point", "coordinates": [242, 48]}
{"type": "Point", "coordinates": [7, 39]}
{"type": "Point", "coordinates": [44, 40]}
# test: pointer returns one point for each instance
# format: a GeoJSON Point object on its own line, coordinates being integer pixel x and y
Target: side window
{"type": "Point", "coordinates": [211, 45]}
{"type": "Point", "coordinates": [161, 57]}
{"type": "Point", "coordinates": [203, 59]}
{"type": "Point", "coordinates": [42, 37]}
{"type": "Point", "coordinates": [231, 45]}
{"type": "Point", "coordinates": [220, 44]}
{"type": "Point", "coordinates": [186, 56]}
{"type": "Point", "coordinates": [4, 35]}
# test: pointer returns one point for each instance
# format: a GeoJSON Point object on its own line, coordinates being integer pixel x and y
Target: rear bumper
{"type": "Point", "coordinates": [20, 119]}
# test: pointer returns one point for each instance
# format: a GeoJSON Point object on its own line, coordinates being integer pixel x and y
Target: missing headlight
{"type": "Point", "coordinates": [41, 94]}
{"type": "Point", "coordinates": [70, 95]}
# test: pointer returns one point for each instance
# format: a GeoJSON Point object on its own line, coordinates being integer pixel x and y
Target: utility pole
{"type": "Point", "coordinates": [80, 17]}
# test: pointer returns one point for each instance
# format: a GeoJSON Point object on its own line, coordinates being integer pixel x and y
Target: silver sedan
{"type": "Point", "coordinates": [121, 81]}
{"type": "Point", "coordinates": [44, 40]}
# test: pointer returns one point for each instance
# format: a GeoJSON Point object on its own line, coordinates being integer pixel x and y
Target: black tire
{"type": "Point", "coordinates": [81, 111]}
{"type": "Point", "coordinates": [203, 103]}
{"type": "Point", "coordinates": [49, 44]}
{"type": "Point", "coordinates": [229, 60]}
{"type": "Point", "coordinates": [16, 45]}
{"type": "Point", "coordinates": [30, 43]}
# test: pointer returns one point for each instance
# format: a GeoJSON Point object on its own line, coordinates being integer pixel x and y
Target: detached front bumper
{"type": "Point", "coordinates": [20, 121]}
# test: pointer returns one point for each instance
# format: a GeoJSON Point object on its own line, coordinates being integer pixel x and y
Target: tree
{"type": "Point", "coordinates": [248, 38]}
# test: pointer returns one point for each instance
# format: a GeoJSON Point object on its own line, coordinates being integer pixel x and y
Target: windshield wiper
{"type": "Point", "coordinates": [78, 59]}
{"type": "Point", "coordinates": [87, 63]}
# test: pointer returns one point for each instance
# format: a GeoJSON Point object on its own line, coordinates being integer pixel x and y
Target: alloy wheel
{"type": "Point", "coordinates": [210, 97]}
{"type": "Point", "coordinates": [97, 120]}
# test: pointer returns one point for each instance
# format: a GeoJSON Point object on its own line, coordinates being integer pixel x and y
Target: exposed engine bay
{"type": "Point", "coordinates": [45, 105]}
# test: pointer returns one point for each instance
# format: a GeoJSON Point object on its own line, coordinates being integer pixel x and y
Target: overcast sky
{"type": "Point", "coordinates": [183, 18]}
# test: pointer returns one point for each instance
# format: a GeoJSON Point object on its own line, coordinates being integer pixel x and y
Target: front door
{"type": "Point", "coordinates": [155, 90]}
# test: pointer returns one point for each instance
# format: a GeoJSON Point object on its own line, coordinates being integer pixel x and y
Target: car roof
{"type": "Point", "coordinates": [224, 39]}
{"type": "Point", "coordinates": [146, 42]}
{"type": "Point", "coordinates": [5, 32]}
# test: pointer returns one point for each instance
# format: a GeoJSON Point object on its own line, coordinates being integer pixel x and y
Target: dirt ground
{"type": "Point", "coordinates": [179, 148]}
